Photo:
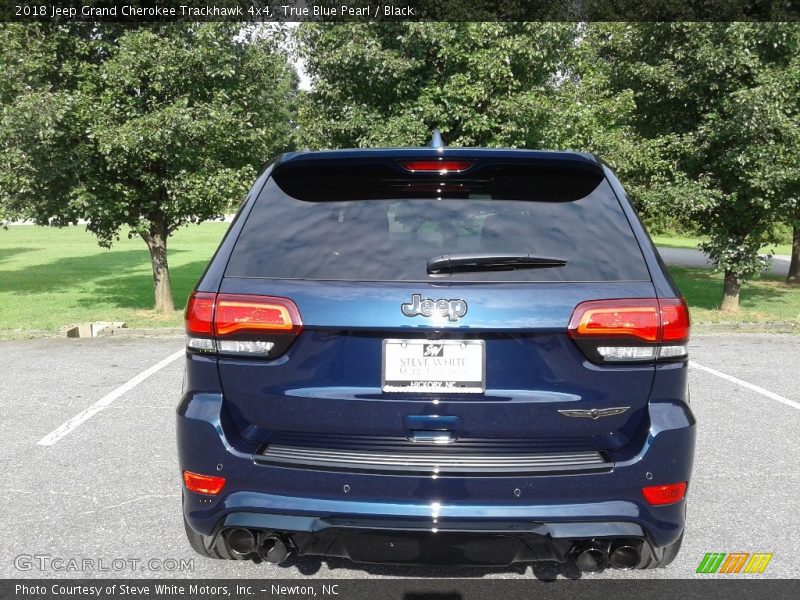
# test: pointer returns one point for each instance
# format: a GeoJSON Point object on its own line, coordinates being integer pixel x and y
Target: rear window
{"type": "Point", "coordinates": [309, 226]}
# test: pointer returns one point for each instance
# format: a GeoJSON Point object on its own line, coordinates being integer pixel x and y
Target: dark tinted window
{"type": "Point", "coordinates": [393, 239]}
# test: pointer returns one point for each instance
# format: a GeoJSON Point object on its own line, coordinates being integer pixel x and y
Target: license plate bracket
{"type": "Point", "coordinates": [434, 366]}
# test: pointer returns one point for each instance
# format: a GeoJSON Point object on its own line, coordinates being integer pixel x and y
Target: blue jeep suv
{"type": "Point", "coordinates": [437, 355]}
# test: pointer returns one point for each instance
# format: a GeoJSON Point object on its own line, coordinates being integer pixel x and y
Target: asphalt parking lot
{"type": "Point", "coordinates": [108, 486]}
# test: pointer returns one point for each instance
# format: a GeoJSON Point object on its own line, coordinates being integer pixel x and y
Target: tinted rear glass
{"type": "Point", "coordinates": [380, 238]}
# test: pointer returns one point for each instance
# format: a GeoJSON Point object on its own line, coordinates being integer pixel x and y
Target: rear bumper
{"type": "Point", "coordinates": [326, 505]}
{"type": "Point", "coordinates": [411, 541]}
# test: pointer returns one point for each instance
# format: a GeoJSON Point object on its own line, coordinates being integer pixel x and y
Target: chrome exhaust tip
{"type": "Point", "coordinates": [590, 558]}
{"type": "Point", "coordinates": [625, 555]}
{"type": "Point", "coordinates": [272, 549]}
{"type": "Point", "coordinates": [241, 542]}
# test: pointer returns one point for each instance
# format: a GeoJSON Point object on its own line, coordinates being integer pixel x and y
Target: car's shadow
{"type": "Point", "coordinates": [544, 571]}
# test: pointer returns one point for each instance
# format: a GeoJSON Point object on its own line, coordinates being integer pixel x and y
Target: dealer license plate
{"type": "Point", "coordinates": [428, 366]}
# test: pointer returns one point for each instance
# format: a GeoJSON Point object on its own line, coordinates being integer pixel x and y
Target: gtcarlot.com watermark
{"type": "Point", "coordinates": [48, 562]}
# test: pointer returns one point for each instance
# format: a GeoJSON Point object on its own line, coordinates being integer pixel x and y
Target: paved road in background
{"type": "Point", "coordinates": [110, 488]}
{"type": "Point", "coordinates": [689, 257]}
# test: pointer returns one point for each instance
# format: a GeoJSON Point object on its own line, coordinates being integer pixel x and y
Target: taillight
{"type": "Point", "coordinates": [241, 324]}
{"type": "Point", "coordinates": [658, 495]}
{"type": "Point", "coordinates": [255, 314]}
{"type": "Point", "coordinates": [203, 484]}
{"type": "Point", "coordinates": [674, 320]}
{"type": "Point", "coordinates": [440, 165]}
{"type": "Point", "coordinates": [199, 313]}
{"type": "Point", "coordinates": [631, 329]}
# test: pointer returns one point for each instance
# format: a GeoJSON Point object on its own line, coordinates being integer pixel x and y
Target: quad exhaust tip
{"type": "Point", "coordinates": [245, 543]}
{"type": "Point", "coordinates": [241, 542]}
{"type": "Point", "coordinates": [625, 555]}
{"type": "Point", "coordinates": [593, 557]}
{"type": "Point", "coordinates": [272, 549]}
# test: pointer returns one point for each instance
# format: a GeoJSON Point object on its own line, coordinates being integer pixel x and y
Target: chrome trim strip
{"type": "Point", "coordinates": [431, 462]}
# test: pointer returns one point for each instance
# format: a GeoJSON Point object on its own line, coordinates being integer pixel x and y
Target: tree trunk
{"type": "Point", "coordinates": [794, 265]}
{"type": "Point", "coordinates": [730, 298]}
{"type": "Point", "coordinates": [156, 240]}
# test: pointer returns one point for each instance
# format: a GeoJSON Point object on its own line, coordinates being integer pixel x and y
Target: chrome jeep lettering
{"type": "Point", "coordinates": [453, 309]}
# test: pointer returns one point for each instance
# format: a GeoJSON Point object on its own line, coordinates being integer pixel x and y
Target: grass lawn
{"type": "Point", "coordinates": [765, 299]}
{"type": "Point", "coordinates": [53, 277]}
{"type": "Point", "coordinates": [682, 241]}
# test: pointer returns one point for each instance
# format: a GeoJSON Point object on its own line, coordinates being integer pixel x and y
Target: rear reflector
{"type": "Point", "coordinates": [658, 495]}
{"type": "Point", "coordinates": [437, 165]}
{"type": "Point", "coordinates": [203, 484]}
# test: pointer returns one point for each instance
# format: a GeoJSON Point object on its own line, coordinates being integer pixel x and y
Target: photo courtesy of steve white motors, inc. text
{"type": "Point", "coordinates": [193, 590]}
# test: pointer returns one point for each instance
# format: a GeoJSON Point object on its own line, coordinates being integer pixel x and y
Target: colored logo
{"type": "Point", "coordinates": [734, 562]}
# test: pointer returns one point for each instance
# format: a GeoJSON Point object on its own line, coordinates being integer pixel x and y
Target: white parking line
{"type": "Point", "coordinates": [83, 416]}
{"type": "Point", "coordinates": [745, 384]}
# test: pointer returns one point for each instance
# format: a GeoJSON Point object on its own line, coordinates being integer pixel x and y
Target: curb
{"type": "Point", "coordinates": [127, 332]}
{"type": "Point", "coordinates": [747, 327]}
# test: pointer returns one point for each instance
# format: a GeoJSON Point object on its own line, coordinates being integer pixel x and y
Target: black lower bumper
{"type": "Point", "coordinates": [448, 542]}
{"type": "Point", "coordinates": [431, 548]}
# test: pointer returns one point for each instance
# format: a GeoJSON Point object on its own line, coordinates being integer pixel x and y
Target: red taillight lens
{"type": "Point", "coordinates": [631, 329]}
{"type": "Point", "coordinates": [241, 324]}
{"type": "Point", "coordinates": [256, 314]}
{"type": "Point", "coordinates": [199, 313]}
{"type": "Point", "coordinates": [203, 484]}
{"type": "Point", "coordinates": [613, 318]}
{"type": "Point", "coordinates": [648, 319]}
{"type": "Point", "coordinates": [674, 320]}
{"type": "Point", "coordinates": [437, 165]}
{"type": "Point", "coordinates": [658, 495]}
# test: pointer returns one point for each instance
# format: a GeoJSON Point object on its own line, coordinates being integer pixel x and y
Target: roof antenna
{"type": "Point", "coordinates": [436, 139]}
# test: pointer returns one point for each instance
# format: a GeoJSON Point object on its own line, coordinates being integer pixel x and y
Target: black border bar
{"type": "Point", "coordinates": [733, 588]}
{"type": "Point", "coordinates": [364, 11]}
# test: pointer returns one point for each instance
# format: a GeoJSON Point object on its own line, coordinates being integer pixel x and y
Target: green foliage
{"type": "Point", "coordinates": [699, 119]}
{"type": "Point", "coordinates": [145, 127]}
{"type": "Point", "coordinates": [725, 101]}
{"type": "Point", "coordinates": [482, 84]}
{"type": "Point", "coordinates": [154, 126]}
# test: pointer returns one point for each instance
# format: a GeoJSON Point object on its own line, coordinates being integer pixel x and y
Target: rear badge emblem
{"type": "Point", "coordinates": [595, 413]}
{"type": "Point", "coordinates": [453, 309]}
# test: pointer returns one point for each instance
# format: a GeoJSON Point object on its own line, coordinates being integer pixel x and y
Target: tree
{"type": "Point", "coordinates": [793, 276]}
{"type": "Point", "coordinates": [481, 84]}
{"type": "Point", "coordinates": [792, 87]}
{"type": "Point", "coordinates": [41, 67]}
{"type": "Point", "coordinates": [519, 85]}
{"type": "Point", "coordinates": [162, 126]}
{"type": "Point", "coordinates": [719, 92]}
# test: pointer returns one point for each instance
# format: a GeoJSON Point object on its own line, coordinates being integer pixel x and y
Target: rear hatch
{"type": "Point", "coordinates": [435, 291]}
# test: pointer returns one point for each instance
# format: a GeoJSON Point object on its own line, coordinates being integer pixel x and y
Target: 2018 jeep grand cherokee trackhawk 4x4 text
{"type": "Point", "coordinates": [437, 354]}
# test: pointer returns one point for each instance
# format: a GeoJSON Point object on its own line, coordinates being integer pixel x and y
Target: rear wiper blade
{"type": "Point", "coordinates": [466, 263]}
